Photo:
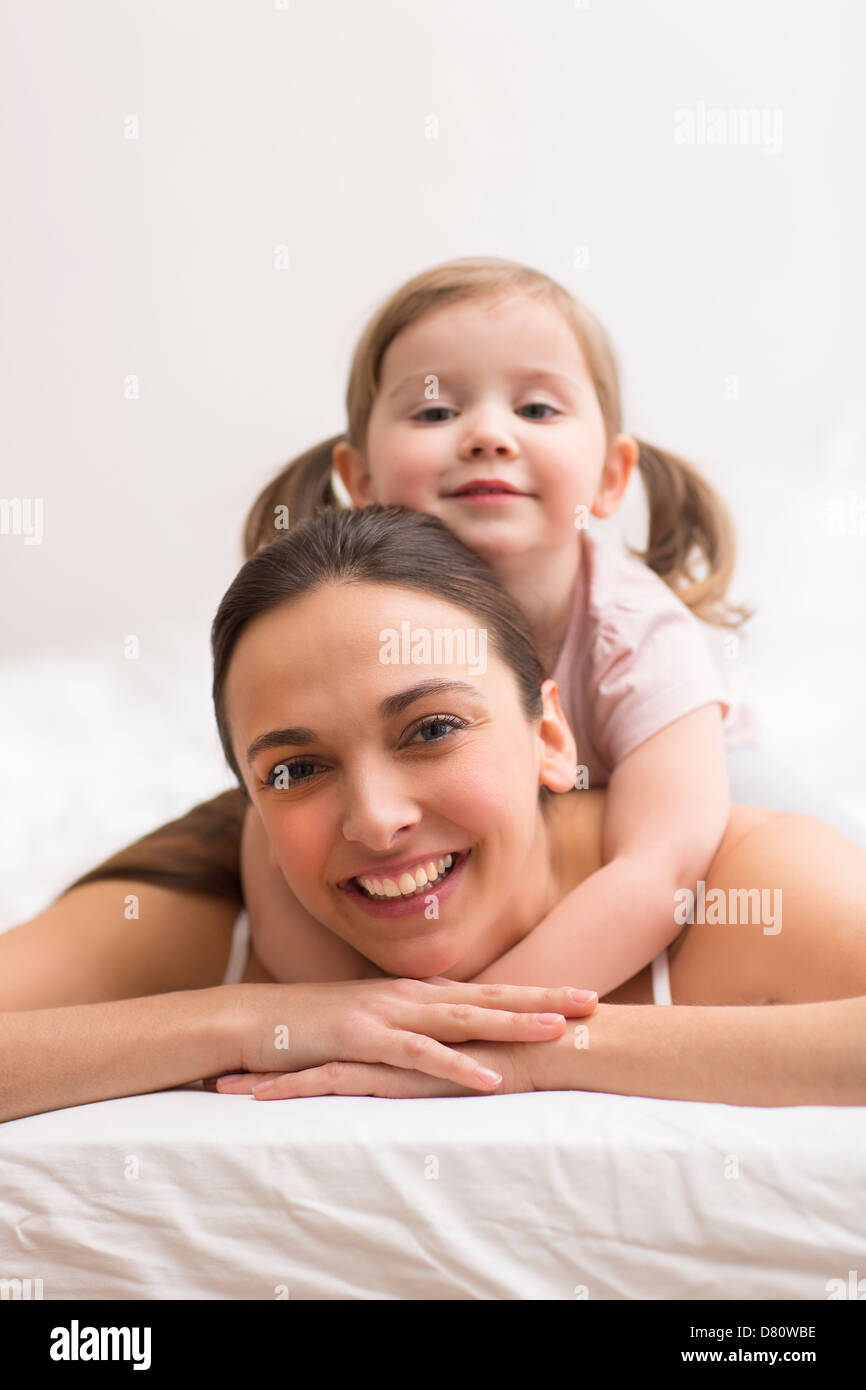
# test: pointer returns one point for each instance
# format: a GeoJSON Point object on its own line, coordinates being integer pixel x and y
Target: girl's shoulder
{"type": "Point", "coordinates": [621, 587]}
{"type": "Point", "coordinates": [633, 619]}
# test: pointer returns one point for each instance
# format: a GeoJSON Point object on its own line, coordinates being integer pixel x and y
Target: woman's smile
{"type": "Point", "coordinates": [404, 892]}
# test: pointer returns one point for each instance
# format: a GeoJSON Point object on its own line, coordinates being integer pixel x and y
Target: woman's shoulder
{"type": "Point", "coordinates": [115, 939]}
{"type": "Point", "coordinates": [760, 837]}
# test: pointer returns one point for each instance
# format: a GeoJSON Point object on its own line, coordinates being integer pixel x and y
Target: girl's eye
{"type": "Point", "coordinates": [289, 774]}
{"type": "Point", "coordinates": [435, 414]}
{"type": "Point", "coordinates": [438, 726]}
{"type": "Point", "coordinates": [431, 410]}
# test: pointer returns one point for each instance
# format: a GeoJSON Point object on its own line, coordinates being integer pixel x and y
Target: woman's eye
{"type": "Point", "coordinates": [538, 405]}
{"type": "Point", "coordinates": [289, 774]}
{"type": "Point", "coordinates": [438, 726]}
{"type": "Point", "coordinates": [432, 410]}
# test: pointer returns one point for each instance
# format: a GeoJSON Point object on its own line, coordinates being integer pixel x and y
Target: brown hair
{"type": "Point", "coordinates": [200, 852]}
{"type": "Point", "coordinates": [372, 545]}
{"type": "Point", "coordinates": [690, 542]}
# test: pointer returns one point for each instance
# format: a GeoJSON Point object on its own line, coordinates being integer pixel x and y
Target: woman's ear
{"type": "Point", "coordinates": [558, 749]}
{"type": "Point", "coordinates": [621, 459]}
{"type": "Point", "coordinates": [351, 468]}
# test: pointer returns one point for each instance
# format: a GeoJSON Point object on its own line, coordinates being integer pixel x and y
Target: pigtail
{"type": "Point", "coordinates": [691, 536]}
{"type": "Point", "coordinates": [299, 490]}
{"type": "Point", "coordinates": [197, 853]}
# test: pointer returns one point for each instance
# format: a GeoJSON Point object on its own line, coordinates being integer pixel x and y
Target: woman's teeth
{"type": "Point", "coordinates": [427, 874]}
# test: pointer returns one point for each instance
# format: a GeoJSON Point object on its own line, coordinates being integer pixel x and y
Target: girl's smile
{"type": "Point", "coordinates": [488, 492]}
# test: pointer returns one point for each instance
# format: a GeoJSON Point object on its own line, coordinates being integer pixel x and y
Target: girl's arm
{"type": "Point", "coordinates": [717, 1047]}
{"type": "Point", "coordinates": [666, 810]}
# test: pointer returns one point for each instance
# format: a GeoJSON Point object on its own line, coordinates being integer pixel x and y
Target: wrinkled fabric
{"type": "Point", "coordinates": [187, 1194]}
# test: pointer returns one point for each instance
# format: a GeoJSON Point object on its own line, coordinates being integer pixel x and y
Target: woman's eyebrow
{"type": "Point", "coordinates": [300, 736]}
{"type": "Point", "coordinates": [395, 704]}
{"type": "Point", "coordinates": [278, 738]}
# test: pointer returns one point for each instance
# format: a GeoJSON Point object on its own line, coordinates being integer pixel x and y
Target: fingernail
{"type": "Point", "coordinates": [232, 1076]}
{"type": "Point", "coordinates": [582, 996]}
{"type": "Point", "coordinates": [550, 1019]}
{"type": "Point", "coordinates": [487, 1075]}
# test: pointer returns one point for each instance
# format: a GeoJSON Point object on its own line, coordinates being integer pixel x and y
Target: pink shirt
{"type": "Point", "coordinates": [633, 660]}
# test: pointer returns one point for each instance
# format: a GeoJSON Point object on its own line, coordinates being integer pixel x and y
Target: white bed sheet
{"type": "Point", "coordinates": [186, 1194]}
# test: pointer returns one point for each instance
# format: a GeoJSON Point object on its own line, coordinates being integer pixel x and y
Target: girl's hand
{"type": "Point", "coordinates": [509, 1060]}
{"type": "Point", "coordinates": [401, 1023]}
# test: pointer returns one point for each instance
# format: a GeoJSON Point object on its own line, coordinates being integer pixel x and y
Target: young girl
{"type": "Point", "coordinates": [483, 393]}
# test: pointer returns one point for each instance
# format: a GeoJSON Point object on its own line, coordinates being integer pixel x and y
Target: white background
{"type": "Point", "coordinates": [306, 125]}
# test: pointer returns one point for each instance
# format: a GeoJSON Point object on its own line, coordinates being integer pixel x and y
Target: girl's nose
{"type": "Point", "coordinates": [489, 434]}
{"type": "Point", "coordinates": [376, 811]}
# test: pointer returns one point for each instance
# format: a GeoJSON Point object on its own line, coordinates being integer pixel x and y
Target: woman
{"type": "Point", "coordinates": [358, 766]}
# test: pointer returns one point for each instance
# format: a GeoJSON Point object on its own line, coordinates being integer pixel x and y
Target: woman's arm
{"type": "Point", "coordinates": [74, 1025]}
{"type": "Point", "coordinates": [788, 1054]}
{"type": "Point", "coordinates": [115, 939]}
{"type": "Point", "coordinates": [75, 1028]}
{"type": "Point", "coordinates": [52, 1058]}
{"type": "Point", "coordinates": [794, 1054]}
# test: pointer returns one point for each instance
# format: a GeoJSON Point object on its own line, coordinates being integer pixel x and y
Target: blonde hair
{"type": "Point", "coordinates": [690, 542]}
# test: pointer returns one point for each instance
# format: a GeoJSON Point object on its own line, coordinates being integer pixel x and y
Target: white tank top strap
{"type": "Point", "coordinates": [239, 952]}
{"type": "Point", "coordinates": [661, 979]}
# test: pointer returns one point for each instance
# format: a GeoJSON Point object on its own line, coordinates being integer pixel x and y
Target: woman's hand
{"type": "Point", "coordinates": [508, 1060]}
{"type": "Point", "coordinates": [403, 1024]}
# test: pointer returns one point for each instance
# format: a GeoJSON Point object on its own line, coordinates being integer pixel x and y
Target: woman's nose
{"type": "Point", "coordinates": [376, 810]}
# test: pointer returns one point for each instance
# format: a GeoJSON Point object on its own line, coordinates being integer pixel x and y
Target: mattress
{"type": "Point", "coordinates": [187, 1194]}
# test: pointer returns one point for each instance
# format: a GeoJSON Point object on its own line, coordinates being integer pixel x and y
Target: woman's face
{"type": "Point", "coordinates": [398, 785]}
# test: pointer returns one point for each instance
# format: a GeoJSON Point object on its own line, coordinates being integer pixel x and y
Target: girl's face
{"type": "Point", "coordinates": [400, 797]}
{"type": "Point", "coordinates": [487, 417]}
